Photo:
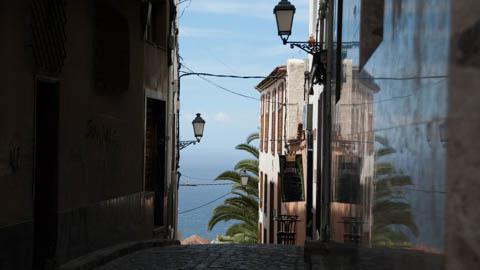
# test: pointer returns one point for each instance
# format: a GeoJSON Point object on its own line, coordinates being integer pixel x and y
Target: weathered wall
{"type": "Point", "coordinates": [297, 209]}
{"type": "Point", "coordinates": [101, 128]}
{"type": "Point", "coordinates": [101, 132]}
{"type": "Point", "coordinates": [463, 216]}
{"type": "Point", "coordinates": [16, 138]}
{"type": "Point", "coordinates": [295, 89]}
{"type": "Point", "coordinates": [269, 163]}
{"type": "Point", "coordinates": [16, 115]}
{"type": "Point", "coordinates": [407, 78]}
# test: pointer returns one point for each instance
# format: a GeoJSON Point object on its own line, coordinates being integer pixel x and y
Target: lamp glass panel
{"type": "Point", "coordinates": [284, 21]}
{"type": "Point", "coordinates": [198, 129]}
{"type": "Point", "coordinates": [244, 180]}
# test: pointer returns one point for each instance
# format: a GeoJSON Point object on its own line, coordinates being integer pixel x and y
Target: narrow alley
{"type": "Point", "coordinates": [220, 134]}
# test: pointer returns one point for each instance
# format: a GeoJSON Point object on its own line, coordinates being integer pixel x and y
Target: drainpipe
{"type": "Point", "coordinates": [326, 133]}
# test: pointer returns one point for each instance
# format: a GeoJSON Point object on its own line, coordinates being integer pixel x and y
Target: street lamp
{"type": "Point", "coordinates": [198, 127]}
{"type": "Point", "coordinates": [243, 177]}
{"type": "Point", "coordinates": [284, 12]}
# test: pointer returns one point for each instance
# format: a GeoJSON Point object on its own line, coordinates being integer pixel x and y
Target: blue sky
{"type": "Point", "coordinates": [224, 37]}
{"type": "Point", "coordinates": [232, 37]}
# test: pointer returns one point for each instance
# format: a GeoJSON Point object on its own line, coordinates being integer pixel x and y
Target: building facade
{"type": "Point", "coordinates": [281, 145]}
{"type": "Point", "coordinates": [88, 137]}
{"type": "Point", "coordinates": [381, 124]}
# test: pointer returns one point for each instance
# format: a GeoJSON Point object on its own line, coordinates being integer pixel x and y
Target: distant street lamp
{"type": "Point", "coordinates": [243, 177]}
{"type": "Point", "coordinates": [198, 127]}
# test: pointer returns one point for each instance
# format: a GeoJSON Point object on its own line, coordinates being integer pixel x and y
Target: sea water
{"type": "Point", "coordinates": [203, 167]}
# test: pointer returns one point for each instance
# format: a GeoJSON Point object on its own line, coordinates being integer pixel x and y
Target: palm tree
{"type": "Point", "coordinates": [243, 206]}
{"type": "Point", "coordinates": [392, 213]}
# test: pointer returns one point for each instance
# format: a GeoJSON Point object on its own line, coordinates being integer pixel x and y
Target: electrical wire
{"type": "Point", "coordinates": [225, 76]}
{"type": "Point", "coordinates": [199, 75]}
{"type": "Point", "coordinates": [219, 86]}
{"type": "Point", "coordinates": [185, 8]}
{"type": "Point", "coordinates": [203, 205]}
{"type": "Point", "coordinates": [196, 178]}
{"type": "Point", "coordinates": [400, 78]}
{"type": "Point", "coordinates": [195, 185]}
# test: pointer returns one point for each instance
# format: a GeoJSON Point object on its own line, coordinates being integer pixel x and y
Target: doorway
{"type": "Point", "coordinates": [45, 190]}
{"type": "Point", "coordinates": [155, 156]}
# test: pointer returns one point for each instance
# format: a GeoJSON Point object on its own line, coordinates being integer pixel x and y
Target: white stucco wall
{"type": "Point", "coordinates": [295, 88]}
{"type": "Point", "coordinates": [293, 114]}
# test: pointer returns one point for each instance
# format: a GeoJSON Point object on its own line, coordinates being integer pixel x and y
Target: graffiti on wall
{"type": "Point", "coordinates": [102, 134]}
{"type": "Point", "coordinates": [15, 157]}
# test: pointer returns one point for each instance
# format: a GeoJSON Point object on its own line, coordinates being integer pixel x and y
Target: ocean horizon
{"type": "Point", "coordinates": [202, 167]}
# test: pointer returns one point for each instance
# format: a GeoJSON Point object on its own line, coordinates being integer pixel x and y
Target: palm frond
{"type": "Point", "coordinates": [252, 137]}
{"type": "Point", "coordinates": [384, 168]}
{"type": "Point", "coordinates": [243, 228]}
{"type": "Point", "coordinates": [250, 165]}
{"type": "Point", "coordinates": [230, 212]}
{"type": "Point", "coordinates": [387, 213]}
{"type": "Point", "coordinates": [243, 206]}
{"type": "Point", "coordinates": [232, 176]}
{"type": "Point", "coordinates": [384, 152]}
{"type": "Point", "coordinates": [253, 150]}
{"type": "Point", "coordinates": [382, 140]}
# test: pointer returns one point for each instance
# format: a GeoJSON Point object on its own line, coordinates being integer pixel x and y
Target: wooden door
{"type": "Point", "coordinates": [45, 174]}
{"type": "Point", "coordinates": [155, 157]}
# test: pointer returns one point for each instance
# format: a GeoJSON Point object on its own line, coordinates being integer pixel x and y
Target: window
{"type": "Point", "coordinates": [347, 184]}
{"type": "Point", "coordinates": [156, 22]}
{"type": "Point", "coordinates": [280, 120]}
{"type": "Point", "coordinates": [261, 190]}
{"type": "Point", "coordinates": [112, 49]}
{"type": "Point", "coordinates": [262, 118]}
{"type": "Point", "coordinates": [267, 123]}
{"type": "Point", "coordinates": [274, 112]}
{"type": "Point", "coordinates": [292, 178]}
{"type": "Point", "coordinates": [265, 180]}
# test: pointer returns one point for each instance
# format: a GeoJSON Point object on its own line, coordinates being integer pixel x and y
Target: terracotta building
{"type": "Point", "coordinates": [282, 148]}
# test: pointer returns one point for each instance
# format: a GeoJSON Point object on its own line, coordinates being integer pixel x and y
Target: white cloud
{"type": "Point", "coordinates": [223, 118]}
{"type": "Point", "coordinates": [251, 8]}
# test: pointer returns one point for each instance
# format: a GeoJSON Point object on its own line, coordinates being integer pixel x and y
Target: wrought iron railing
{"type": "Point", "coordinates": [286, 229]}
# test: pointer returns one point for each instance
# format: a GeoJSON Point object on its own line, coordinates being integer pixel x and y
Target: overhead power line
{"type": "Point", "coordinates": [408, 78]}
{"type": "Point", "coordinates": [203, 205]}
{"type": "Point", "coordinates": [185, 8]}
{"type": "Point", "coordinates": [219, 86]}
{"type": "Point", "coordinates": [196, 178]}
{"type": "Point", "coordinates": [184, 73]}
{"type": "Point", "coordinates": [199, 75]}
{"type": "Point", "coordinates": [203, 184]}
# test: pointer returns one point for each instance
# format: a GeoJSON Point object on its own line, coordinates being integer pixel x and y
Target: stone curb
{"type": "Point", "coordinates": [103, 256]}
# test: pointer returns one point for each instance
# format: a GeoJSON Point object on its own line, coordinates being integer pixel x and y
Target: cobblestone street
{"type": "Point", "coordinates": [212, 257]}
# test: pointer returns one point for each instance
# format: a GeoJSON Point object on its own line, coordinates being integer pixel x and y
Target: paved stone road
{"type": "Point", "coordinates": [212, 257]}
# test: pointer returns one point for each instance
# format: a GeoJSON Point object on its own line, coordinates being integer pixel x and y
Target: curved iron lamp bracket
{"type": "Point", "coordinates": [184, 144]}
{"type": "Point", "coordinates": [308, 47]}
